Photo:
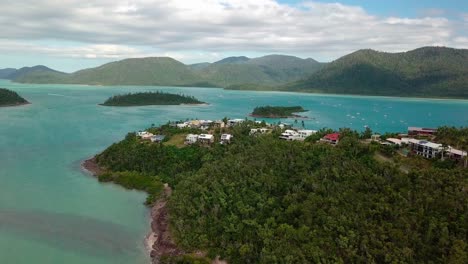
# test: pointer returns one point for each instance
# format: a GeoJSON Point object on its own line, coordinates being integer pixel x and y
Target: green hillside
{"type": "Point", "coordinates": [268, 70]}
{"type": "Point", "coordinates": [10, 98]}
{"type": "Point", "coordinates": [5, 72]}
{"type": "Point", "coordinates": [37, 74]}
{"type": "Point", "coordinates": [426, 72]}
{"type": "Point", "coordinates": [144, 71]}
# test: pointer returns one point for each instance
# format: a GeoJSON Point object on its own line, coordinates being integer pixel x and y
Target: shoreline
{"type": "Point", "coordinates": [13, 105]}
{"type": "Point", "coordinates": [158, 242]}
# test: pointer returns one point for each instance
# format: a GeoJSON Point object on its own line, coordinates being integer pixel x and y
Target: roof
{"type": "Point", "coordinates": [205, 136]}
{"type": "Point", "coordinates": [226, 136]}
{"type": "Point", "coordinates": [422, 129]}
{"type": "Point", "coordinates": [192, 136]}
{"type": "Point", "coordinates": [425, 143]}
{"type": "Point", "coordinates": [394, 141]}
{"type": "Point", "coordinates": [307, 131]}
{"type": "Point", "coordinates": [457, 152]}
{"type": "Point", "coordinates": [332, 136]}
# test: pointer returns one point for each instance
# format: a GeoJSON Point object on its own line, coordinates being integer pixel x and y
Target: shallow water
{"type": "Point", "coordinates": [51, 212]}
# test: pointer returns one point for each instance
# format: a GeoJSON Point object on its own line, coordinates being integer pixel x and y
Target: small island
{"type": "Point", "coordinates": [11, 98]}
{"type": "Point", "coordinates": [277, 111]}
{"type": "Point", "coordinates": [151, 98]}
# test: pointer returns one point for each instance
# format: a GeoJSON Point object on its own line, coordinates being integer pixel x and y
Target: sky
{"type": "Point", "coordinates": [69, 35]}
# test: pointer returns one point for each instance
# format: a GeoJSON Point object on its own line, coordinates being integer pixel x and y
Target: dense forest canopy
{"type": "Point", "coordinates": [150, 98]}
{"type": "Point", "coordinates": [262, 200]}
{"type": "Point", "coordinates": [277, 111]}
{"type": "Point", "coordinates": [424, 72]}
{"type": "Point", "coordinates": [10, 98]}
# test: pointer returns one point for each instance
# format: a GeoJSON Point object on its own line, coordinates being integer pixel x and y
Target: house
{"type": "Point", "coordinates": [191, 139]}
{"type": "Point", "coordinates": [424, 148]}
{"type": "Point", "coordinates": [219, 124]}
{"type": "Point", "coordinates": [263, 130]}
{"type": "Point", "coordinates": [284, 125]}
{"type": "Point", "coordinates": [289, 134]}
{"type": "Point", "coordinates": [421, 131]}
{"type": "Point", "coordinates": [332, 138]}
{"type": "Point", "coordinates": [226, 138]}
{"type": "Point", "coordinates": [183, 125]}
{"type": "Point", "coordinates": [394, 141]}
{"type": "Point", "coordinates": [205, 124]}
{"type": "Point", "coordinates": [405, 141]}
{"type": "Point", "coordinates": [157, 138]}
{"type": "Point", "coordinates": [233, 122]}
{"type": "Point", "coordinates": [375, 137]}
{"type": "Point", "coordinates": [304, 133]}
{"type": "Point", "coordinates": [144, 135]}
{"type": "Point", "coordinates": [455, 153]}
{"type": "Point", "coordinates": [205, 138]}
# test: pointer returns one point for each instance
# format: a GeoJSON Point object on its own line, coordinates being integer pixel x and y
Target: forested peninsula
{"type": "Point", "coordinates": [263, 200]}
{"type": "Point", "coordinates": [11, 98]}
{"type": "Point", "coordinates": [150, 98]}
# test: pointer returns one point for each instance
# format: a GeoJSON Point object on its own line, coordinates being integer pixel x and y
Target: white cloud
{"type": "Point", "coordinates": [116, 29]}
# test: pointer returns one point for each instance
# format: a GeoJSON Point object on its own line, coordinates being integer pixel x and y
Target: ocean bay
{"type": "Point", "coordinates": [42, 144]}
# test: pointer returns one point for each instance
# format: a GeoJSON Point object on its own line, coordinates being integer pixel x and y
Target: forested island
{"type": "Point", "coordinates": [264, 200]}
{"type": "Point", "coordinates": [277, 111]}
{"type": "Point", "coordinates": [150, 98]}
{"type": "Point", "coordinates": [11, 98]}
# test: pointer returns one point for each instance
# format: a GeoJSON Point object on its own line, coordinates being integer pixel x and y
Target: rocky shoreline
{"type": "Point", "coordinates": [159, 241]}
{"type": "Point", "coordinates": [13, 105]}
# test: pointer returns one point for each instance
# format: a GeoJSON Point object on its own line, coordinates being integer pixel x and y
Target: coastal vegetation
{"type": "Point", "coordinates": [263, 200]}
{"type": "Point", "coordinates": [150, 98]}
{"type": "Point", "coordinates": [277, 111]}
{"type": "Point", "coordinates": [11, 98]}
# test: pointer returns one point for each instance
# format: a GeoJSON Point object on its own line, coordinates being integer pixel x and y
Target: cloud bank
{"type": "Point", "coordinates": [119, 29]}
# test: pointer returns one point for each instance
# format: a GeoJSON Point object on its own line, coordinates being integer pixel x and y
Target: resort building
{"type": "Point", "coordinates": [332, 138]}
{"type": "Point", "coordinates": [421, 131]}
{"type": "Point", "coordinates": [219, 124]}
{"type": "Point", "coordinates": [289, 134]}
{"type": "Point", "coordinates": [206, 138]}
{"type": "Point", "coordinates": [303, 134]}
{"type": "Point", "coordinates": [144, 135]}
{"type": "Point", "coordinates": [226, 138]}
{"type": "Point", "coordinates": [394, 141]}
{"type": "Point", "coordinates": [455, 153]}
{"type": "Point", "coordinates": [191, 139]}
{"type": "Point", "coordinates": [424, 148]}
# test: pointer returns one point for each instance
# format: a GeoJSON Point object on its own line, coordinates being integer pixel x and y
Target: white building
{"type": "Point", "coordinates": [455, 153]}
{"type": "Point", "coordinates": [144, 134]}
{"type": "Point", "coordinates": [303, 134]}
{"type": "Point", "coordinates": [226, 138]}
{"type": "Point", "coordinates": [424, 148]}
{"type": "Point", "coordinates": [394, 141]}
{"type": "Point", "coordinates": [182, 125]}
{"type": "Point", "coordinates": [262, 130]}
{"type": "Point", "coordinates": [191, 139]}
{"type": "Point", "coordinates": [206, 138]}
{"type": "Point", "coordinates": [289, 134]}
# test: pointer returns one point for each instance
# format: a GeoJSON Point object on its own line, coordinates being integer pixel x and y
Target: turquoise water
{"type": "Point", "coordinates": [51, 212]}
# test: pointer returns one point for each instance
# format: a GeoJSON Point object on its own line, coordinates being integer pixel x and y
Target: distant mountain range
{"type": "Point", "coordinates": [425, 72]}
{"type": "Point", "coordinates": [273, 69]}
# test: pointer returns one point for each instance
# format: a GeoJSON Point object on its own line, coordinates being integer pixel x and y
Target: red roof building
{"type": "Point", "coordinates": [331, 138]}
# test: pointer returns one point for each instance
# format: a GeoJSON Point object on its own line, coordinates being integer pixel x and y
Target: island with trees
{"type": "Point", "coordinates": [277, 111]}
{"type": "Point", "coordinates": [11, 98]}
{"type": "Point", "coordinates": [264, 200]}
{"type": "Point", "coordinates": [151, 98]}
